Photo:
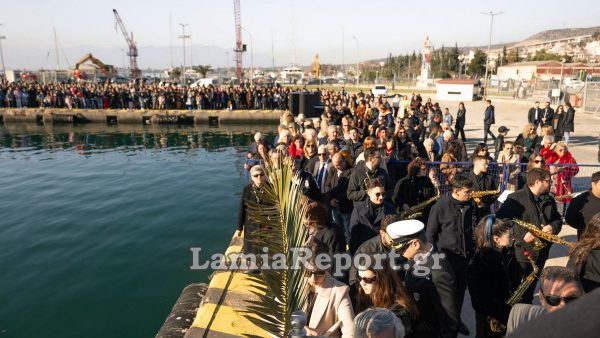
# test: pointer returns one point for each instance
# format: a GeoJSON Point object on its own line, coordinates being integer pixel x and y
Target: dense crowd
{"type": "Point", "coordinates": [84, 95]}
{"type": "Point", "coordinates": [386, 175]}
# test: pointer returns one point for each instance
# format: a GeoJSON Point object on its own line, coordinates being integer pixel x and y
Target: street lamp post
{"type": "Point", "coordinates": [357, 70]}
{"type": "Point", "coordinates": [2, 54]}
{"type": "Point", "coordinates": [251, 57]}
{"type": "Point", "coordinates": [183, 37]}
{"type": "Point", "coordinates": [487, 61]}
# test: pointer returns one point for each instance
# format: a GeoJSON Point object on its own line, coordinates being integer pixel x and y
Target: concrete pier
{"type": "Point", "coordinates": [116, 116]}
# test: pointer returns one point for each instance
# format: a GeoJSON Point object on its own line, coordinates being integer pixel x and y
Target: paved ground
{"type": "Point", "coordinates": [513, 115]}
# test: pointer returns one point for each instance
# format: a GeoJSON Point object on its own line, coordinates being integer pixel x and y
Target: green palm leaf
{"type": "Point", "coordinates": [281, 213]}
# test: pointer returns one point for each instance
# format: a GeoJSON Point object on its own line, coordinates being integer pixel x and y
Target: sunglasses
{"type": "Point", "coordinates": [367, 280]}
{"type": "Point", "coordinates": [538, 161]}
{"type": "Point", "coordinates": [322, 154]}
{"type": "Point", "coordinates": [556, 300]}
{"type": "Point", "coordinates": [258, 175]}
{"type": "Point", "coordinates": [310, 146]}
{"type": "Point", "coordinates": [380, 194]}
{"type": "Point", "coordinates": [315, 273]}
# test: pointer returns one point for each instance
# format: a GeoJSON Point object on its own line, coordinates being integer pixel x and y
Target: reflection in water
{"type": "Point", "coordinates": [89, 139]}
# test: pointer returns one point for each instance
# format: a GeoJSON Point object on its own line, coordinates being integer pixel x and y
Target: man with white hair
{"type": "Point", "coordinates": [378, 323]}
{"type": "Point", "coordinates": [321, 167]}
{"type": "Point", "coordinates": [259, 138]}
{"type": "Point", "coordinates": [333, 134]}
{"type": "Point", "coordinates": [447, 137]}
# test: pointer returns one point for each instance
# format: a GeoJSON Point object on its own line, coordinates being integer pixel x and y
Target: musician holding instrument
{"type": "Point", "coordinates": [490, 275]}
{"type": "Point", "coordinates": [450, 228]}
{"type": "Point", "coordinates": [414, 188]}
{"type": "Point", "coordinates": [482, 181]}
{"type": "Point", "coordinates": [535, 206]}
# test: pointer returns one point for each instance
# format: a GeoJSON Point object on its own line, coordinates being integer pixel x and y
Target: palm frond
{"type": "Point", "coordinates": [281, 212]}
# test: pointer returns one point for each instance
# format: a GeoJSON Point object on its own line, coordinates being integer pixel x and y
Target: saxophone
{"type": "Point", "coordinates": [416, 210]}
{"type": "Point", "coordinates": [495, 324]}
{"type": "Point", "coordinates": [539, 234]}
{"type": "Point", "coordinates": [478, 195]}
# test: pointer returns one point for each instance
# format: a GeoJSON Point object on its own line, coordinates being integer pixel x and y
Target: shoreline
{"type": "Point", "coordinates": [116, 116]}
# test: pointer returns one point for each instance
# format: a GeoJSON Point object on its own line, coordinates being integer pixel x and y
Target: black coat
{"type": "Point", "coordinates": [356, 186]}
{"type": "Point", "coordinates": [549, 114]}
{"type": "Point", "coordinates": [581, 210]}
{"type": "Point", "coordinates": [365, 222]}
{"type": "Point", "coordinates": [435, 295]}
{"type": "Point", "coordinates": [531, 118]}
{"type": "Point", "coordinates": [450, 226]}
{"type": "Point", "coordinates": [245, 223]}
{"type": "Point", "coordinates": [588, 271]}
{"type": "Point", "coordinates": [337, 187]}
{"type": "Point", "coordinates": [569, 123]}
{"type": "Point", "coordinates": [491, 284]}
{"type": "Point", "coordinates": [371, 247]}
{"type": "Point", "coordinates": [523, 205]}
{"type": "Point", "coordinates": [489, 115]}
{"type": "Point", "coordinates": [461, 119]}
{"type": "Point", "coordinates": [560, 124]}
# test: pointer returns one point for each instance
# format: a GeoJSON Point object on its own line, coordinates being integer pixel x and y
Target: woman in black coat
{"type": "Point", "coordinates": [569, 122]}
{"type": "Point", "coordinates": [558, 123]}
{"type": "Point", "coordinates": [461, 118]}
{"type": "Point", "coordinates": [585, 255]}
{"type": "Point", "coordinates": [490, 271]}
{"type": "Point", "coordinates": [251, 193]}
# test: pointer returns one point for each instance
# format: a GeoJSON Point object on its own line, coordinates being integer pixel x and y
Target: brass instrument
{"type": "Point", "coordinates": [539, 234]}
{"type": "Point", "coordinates": [478, 195]}
{"type": "Point", "coordinates": [416, 210]}
{"type": "Point", "coordinates": [495, 324]}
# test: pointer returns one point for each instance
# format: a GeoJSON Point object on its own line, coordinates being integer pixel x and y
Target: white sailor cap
{"type": "Point", "coordinates": [403, 231]}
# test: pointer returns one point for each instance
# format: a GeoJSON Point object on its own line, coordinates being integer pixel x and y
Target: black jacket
{"type": "Point", "coordinates": [490, 282]}
{"type": "Point", "coordinates": [581, 210]}
{"type": "Point", "coordinates": [450, 226]}
{"type": "Point", "coordinates": [569, 123]}
{"type": "Point", "coordinates": [365, 222]}
{"type": "Point", "coordinates": [588, 271]}
{"type": "Point", "coordinates": [435, 295]}
{"type": "Point", "coordinates": [356, 186]}
{"type": "Point", "coordinates": [549, 114]}
{"type": "Point", "coordinates": [523, 205]}
{"type": "Point", "coordinates": [371, 247]}
{"type": "Point", "coordinates": [489, 115]}
{"type": "Point", "coordinates": [244, 222]}
{"type": "Point", "coordinates": [461, 118]}
{"type": "Point", "coordinates": [336, 187]}
{"type": "Point", "coordinates": [531, 118]}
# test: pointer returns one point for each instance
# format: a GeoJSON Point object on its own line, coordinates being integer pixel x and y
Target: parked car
{"type": "Point", "coordinates": [379, 90]}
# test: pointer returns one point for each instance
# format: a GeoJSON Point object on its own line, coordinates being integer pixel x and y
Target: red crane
{"type": "Point", "coordinates": [133, 52]}
{"type": "Point", "coordinates": [239, 47]}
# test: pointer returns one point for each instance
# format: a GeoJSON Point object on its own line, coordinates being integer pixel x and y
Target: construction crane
{"type": "Point", "coordinates": [133, 52]}
{"type": "Point", "coordinates": [239, 47]}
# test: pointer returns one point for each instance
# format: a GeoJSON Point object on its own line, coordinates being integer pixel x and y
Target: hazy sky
{"type": "Point", "coordinates": [318, 26]}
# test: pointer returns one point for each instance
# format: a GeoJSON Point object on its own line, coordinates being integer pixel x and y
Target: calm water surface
{"type": "Point", "coordinates": [96, 222]}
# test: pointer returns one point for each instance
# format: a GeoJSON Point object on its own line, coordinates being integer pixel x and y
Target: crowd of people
{"type": "Point", "coordinates": [87, 95]}
{"type": "Point", "coordinates": [374, 182]}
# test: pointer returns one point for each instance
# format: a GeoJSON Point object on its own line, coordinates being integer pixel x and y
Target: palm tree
{"type": "Point", "coordinates": [279, 292]}
{"type": "Point", "coordinates": [203, 69]}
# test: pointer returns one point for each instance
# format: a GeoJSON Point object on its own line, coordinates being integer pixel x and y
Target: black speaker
{"type": "Point", "coordinates": [309, 101]}
{"type": "Point", "coordinates": [294, 103]}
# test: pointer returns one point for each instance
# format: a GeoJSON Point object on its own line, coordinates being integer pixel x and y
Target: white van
{"type": "Point", "coordinates": [205, 82]}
